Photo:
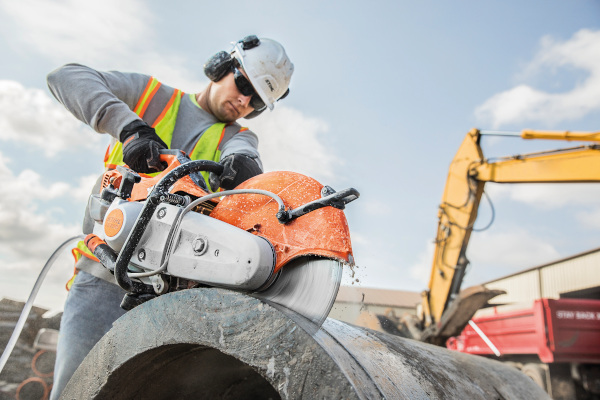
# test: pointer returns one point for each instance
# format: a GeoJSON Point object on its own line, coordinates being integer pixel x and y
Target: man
{"type": "Point", "coordinates": [144, 116]}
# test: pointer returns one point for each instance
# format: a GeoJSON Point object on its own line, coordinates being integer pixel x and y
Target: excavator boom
{"type": "Point", "coordinates": [446, 310]}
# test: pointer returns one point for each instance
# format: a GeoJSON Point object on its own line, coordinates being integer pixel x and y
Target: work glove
{"type": "Point", "coordinates": [237, 168]}
{"type": "Point", "coordinates": [141, 146]}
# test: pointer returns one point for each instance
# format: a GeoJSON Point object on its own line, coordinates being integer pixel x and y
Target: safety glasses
{"type": "Point", "coordinates": [246, 88]}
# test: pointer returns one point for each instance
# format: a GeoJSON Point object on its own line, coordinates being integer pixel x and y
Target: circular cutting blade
{"type": "Point", "coordinates": [307, 286]}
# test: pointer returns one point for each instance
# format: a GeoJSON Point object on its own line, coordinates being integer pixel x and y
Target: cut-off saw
{"type": "Point", "coordinates": [279, 236]}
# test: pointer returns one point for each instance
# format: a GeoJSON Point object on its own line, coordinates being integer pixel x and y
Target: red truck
{"type": "Point", "coordinates": [556, 343]}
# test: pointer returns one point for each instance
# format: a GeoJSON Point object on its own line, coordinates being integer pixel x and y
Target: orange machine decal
{"type": "Point", "coordinates": [113, 222]}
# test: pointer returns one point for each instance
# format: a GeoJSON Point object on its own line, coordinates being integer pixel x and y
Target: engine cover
{"type": "Point", "coordinates": [205, 250]}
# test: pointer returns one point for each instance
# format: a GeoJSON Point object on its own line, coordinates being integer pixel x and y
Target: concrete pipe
{"type": "Point", "coordinates": [218, 344]}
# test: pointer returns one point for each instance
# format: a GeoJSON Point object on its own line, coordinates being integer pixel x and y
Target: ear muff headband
{"type": "Point", "coordinates": [218, 66]}
{"type": "Point", "coordinates": [250, 42]}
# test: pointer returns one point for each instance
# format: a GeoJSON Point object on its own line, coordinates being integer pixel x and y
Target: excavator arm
{"type": "Point", "coordinates": [446, 310]}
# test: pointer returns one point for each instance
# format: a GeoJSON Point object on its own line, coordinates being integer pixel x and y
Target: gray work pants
{"type": "Point", "coordinates": [90, 310]}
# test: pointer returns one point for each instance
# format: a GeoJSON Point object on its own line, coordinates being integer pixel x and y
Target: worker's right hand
{"type": "Point", "coordinates": [141, 146]}
{"type": "Point", "coordinates": [237, 168]}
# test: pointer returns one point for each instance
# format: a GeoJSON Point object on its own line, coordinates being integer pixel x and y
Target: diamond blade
{"type": "Point", "coordinates": [307, 286]}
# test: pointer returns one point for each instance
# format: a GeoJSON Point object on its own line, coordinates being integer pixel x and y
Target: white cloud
{"type": "Point", "coordinates": [84, 186]}
{"type": "Point", "coordinates": [30, 116]}
{"type": "Point", "coordinates": [28, 234]}
{"type": "Point", "coordinates": [112, 34]}
{"type": "Point", "coordinates": [547, 195]}
{"type": "Point", "coordinates": [289, 140]}
{"type": "Point", "coordinates": [421, 270]}
{"type": "Point", "coordinates": [526, 104]}
{"type": "Point", "coordinates": [359, 239]}
{"type": "Point", "coordinates": [497, 254]}
{"type": "Point", "coordinates": [378, 207]}
{"type": "Point", "coordinates": [89, 30]}
{"type": "Point", "coordinates": [491, 255]}
{"type": "Point", "coordinates": [589, 219]}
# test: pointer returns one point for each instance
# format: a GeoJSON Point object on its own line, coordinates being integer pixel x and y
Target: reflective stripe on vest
{"type": "Point", "coordinates": [166, 120]}
{"type": "Point", "coordinates": [82, 250]}
{"type": "Point", "coordinates": [147, 95]}
{"type": "Point", "coordinates": [78, 252]}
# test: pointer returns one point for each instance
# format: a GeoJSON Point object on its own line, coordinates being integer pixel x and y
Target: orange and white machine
{"type": "Point", "coordinates": [281, 236]}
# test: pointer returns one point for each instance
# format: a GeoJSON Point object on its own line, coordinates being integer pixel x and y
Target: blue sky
{"type": "Point", "coordinates": [381, 97]}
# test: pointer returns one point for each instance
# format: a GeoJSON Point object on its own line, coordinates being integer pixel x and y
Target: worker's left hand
{"type": "Point", "coordinates": [141, 147]}
{"type": "Point", "coordinates": [237, 168]}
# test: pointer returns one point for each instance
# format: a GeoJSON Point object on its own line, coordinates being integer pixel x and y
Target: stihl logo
{"type": "Point", "coordinates": [113, 222]}
{"type": "Point", "coordinates": [270, 85]}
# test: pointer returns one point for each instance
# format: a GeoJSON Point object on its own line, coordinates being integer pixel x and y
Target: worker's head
{"type": "Point", "coordinates": [257, 70]}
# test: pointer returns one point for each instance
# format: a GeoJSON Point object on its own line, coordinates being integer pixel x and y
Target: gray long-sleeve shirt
{"type": "Point", "coordinates": [105, 101]}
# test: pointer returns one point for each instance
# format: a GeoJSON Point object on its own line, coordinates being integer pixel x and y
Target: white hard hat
{"type": "Point", "coordinates": [268, 67]}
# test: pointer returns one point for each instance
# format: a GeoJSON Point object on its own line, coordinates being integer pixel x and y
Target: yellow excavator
{"type": "Point", "coordinates": [445, 310]}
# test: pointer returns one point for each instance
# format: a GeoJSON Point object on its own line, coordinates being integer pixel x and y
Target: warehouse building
{"type": "Point", "coordinates": [577, 276]}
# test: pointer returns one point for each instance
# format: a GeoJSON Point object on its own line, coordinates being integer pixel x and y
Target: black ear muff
{"type": "Point", "coordinates": [218, 66]}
